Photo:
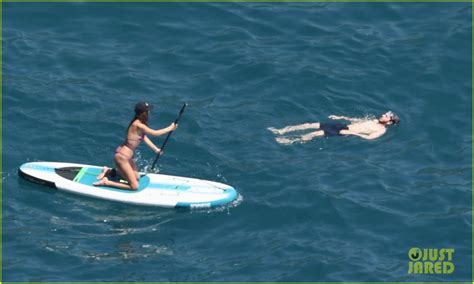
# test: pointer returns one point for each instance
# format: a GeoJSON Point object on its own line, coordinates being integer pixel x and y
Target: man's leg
{"type": "Point", "coordinates": [311, 135]}
{"type": "Point", "coordinates": [294, 128]}
{"type": "Point", "coordinates": [304, 138]}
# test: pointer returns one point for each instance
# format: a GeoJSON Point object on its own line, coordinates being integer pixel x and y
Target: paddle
{"type": "Point", "coordinates": [168, 136]}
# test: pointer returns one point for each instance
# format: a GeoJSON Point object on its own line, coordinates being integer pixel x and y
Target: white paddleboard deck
{"type": "Point", "coordinates": [154, 189]}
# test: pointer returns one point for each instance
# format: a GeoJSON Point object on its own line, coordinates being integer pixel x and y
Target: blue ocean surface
{"type": "Point", "coordinates": [331, 209]}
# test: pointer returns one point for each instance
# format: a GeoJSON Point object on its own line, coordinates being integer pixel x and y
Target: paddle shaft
{"type": "Point", "coordinates": [167, 137]}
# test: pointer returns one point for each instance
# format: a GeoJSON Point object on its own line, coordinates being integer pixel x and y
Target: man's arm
{"type": "Point", "coordinates": [351, 119]}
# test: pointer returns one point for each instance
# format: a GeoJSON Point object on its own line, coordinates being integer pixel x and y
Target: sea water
{"type": "Point", "coordinates": [331, 209]}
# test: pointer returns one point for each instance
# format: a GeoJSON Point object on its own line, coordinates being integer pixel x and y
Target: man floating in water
{"type": "Point", "coordinates": [365, 128]}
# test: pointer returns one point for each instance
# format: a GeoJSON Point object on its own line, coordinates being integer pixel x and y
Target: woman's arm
{"type": "Point", "coordinates": [153, 132]}
{"type": "Point", "coordinates": [351, 119]}
{"type": "Point", "coordinates": [151, 144]}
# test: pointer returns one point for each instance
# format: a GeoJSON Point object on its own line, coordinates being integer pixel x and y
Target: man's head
{"type": "Point", "coordinates": [389, 118]}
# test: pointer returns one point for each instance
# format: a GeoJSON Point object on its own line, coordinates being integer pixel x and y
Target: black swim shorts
{"type": "Point", "coordinates": [332, 128]}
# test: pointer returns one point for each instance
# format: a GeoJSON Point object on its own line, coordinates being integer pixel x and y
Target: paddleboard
{"type": "Point", "coordinates": [154, 189]}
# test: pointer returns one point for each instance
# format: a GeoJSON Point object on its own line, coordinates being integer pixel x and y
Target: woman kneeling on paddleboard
{"type": "Point", "coordinates": [123, 158]}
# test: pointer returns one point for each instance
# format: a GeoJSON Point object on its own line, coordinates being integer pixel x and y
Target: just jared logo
{"type": "Point", "coordinates": [430, 261]}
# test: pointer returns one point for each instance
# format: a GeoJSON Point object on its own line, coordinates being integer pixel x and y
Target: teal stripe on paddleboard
{"type": "Point", "coordinates": [79, 175]}
{"type": "Point", "coordinates": [90, 176]}
{"type": "Point", "coordinates": [169, 186]}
